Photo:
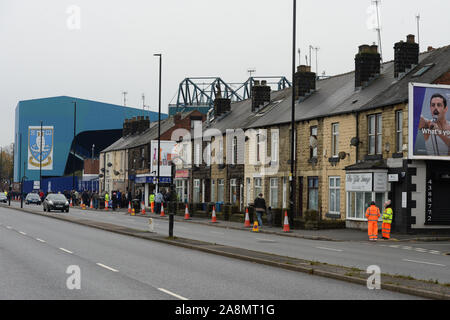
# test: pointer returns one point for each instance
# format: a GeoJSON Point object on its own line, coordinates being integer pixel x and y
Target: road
{"type": "Point", "coordinates": [36, 251]}
{"type": "Point", "coordinates": [421, 260]}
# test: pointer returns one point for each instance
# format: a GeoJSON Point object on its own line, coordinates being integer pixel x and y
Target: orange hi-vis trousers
{"type": "Point", "coordinates": [386, 230]}
{"type": "Point", "coordinates": [152, 205]}
{"type": "Point", "coordinates": [373, 230]}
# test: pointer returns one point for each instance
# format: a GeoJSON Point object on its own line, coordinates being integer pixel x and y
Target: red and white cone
{"type": "Point", "coordinates": [129, 207]}
{"type": "Point", "coordinates": [186, 213]}
{"type": "Point", "coordinates": [162, 210]}
{"type": "Point", "coordinates": [247, 220]}
{"type": "Point", "coordinates": [143, 207]}
{"type": "Point", "coordinates": [71, 205]}
{"type": "Point", "coordinates": [286, 223]}
{"type": "Point", "coordinates": [214, 218]}
{"type": "Point", "coordinates": [91, 206]}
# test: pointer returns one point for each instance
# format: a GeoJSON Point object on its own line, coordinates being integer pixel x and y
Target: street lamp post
{"type": "Point", "coordinates": [40, 162]}
{"type": "Point", "coordinates": [159, 120]}
{"type": "Point", "coordinates": [74, 144]}
{"type": "Point", "coordinates": [292, 175]}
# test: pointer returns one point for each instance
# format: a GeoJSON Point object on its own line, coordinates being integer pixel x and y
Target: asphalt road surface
{"type": "Point", "coordinates": [421, 260]}
{"type": "Point", "coordinates": [37, 252]}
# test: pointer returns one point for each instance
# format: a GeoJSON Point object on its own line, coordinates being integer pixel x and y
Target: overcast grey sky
{"type": "Point", "coordinates": [44, 53]}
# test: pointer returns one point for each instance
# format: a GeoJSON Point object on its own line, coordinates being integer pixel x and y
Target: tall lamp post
{"type": "Point", "coordinates": [159, 119]}
{"type": "Point", "coordinates": [74, 144]}
{"type": "Point", "coordinates": [292, 175]}
{"type": "Point", "coordinates": [40, 162]}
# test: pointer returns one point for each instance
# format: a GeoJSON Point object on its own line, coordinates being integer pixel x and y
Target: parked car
{"type": "Point", "coordinates": [3, 197]}
{"type": "Point", "coordinates": [56, 201]}
{"type": "Point", "coordinates": [33, 198]}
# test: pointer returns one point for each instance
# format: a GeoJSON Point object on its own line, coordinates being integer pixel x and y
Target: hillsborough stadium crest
{"type": "Point", "coordinates": [35, 141]}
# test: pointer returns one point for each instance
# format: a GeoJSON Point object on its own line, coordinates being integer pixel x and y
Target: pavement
{"type": "Point", "coordinates": [407, 285]}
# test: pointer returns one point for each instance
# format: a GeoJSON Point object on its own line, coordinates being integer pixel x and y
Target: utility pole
{"type": "Point", "coordinates": [124, 98]}
{"type": "Point", "coordinates": [159, 119]}
{"type": "Point", "coordinates": [378, 29]}
{"type": "Point", "coordinates": [292, 174]}
{"type": "Point", "coordinates": [74, 142]}
{"type": "Point", "coordinates": [40, 161]}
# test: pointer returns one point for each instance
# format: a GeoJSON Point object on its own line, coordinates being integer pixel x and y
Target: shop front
{"type": "Point", "coordinates": [361, 189]}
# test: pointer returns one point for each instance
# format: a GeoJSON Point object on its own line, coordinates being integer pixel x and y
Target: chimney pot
{"type": "Point", "coordinates": [406, 54]}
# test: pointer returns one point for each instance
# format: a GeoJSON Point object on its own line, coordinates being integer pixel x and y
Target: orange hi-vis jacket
{"type": "Point", "coordinates": [373, 213]}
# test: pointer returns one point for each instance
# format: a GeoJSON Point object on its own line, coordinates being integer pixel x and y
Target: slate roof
{"type": "Point", "coordinates": [335, 95]}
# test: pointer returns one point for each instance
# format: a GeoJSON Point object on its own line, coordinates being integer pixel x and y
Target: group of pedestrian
{"type": "Point", "coordinates": [162, 198]}
{"type": "Point", "coordinates": [373, 214]}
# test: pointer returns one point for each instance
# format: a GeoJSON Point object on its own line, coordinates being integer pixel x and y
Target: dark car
{"type": "Point", "coordinates": [3, 197]}
{"type": "Point", "coordinates": [33, 198]}
{"type": "Point", "coordinates": [56, 201]}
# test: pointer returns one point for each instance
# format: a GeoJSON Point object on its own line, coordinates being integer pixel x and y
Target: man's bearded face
{"type": "Point", "coordinates": [437, 108]}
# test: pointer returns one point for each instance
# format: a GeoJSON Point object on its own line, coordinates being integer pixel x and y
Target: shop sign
{"type": "Point", "coordinates": [358, 182]}
{"type": "Point", "coordinates": [380, 182]}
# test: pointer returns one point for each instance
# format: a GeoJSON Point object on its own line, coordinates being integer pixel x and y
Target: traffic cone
{"type": "Point", "coordinates": [255, 227]}
{"type": "Point", "coordinates": [152, 206]}
{"type": "Point", "coordinates": [82, 204]}
{"type": "Point", "coordinates": [129, 207]}
{"type": "Point", "coordinates": [143, 207]}
{"type": "Point", "coordinates": [286, 223]}
{"type": "Point", "coordinates": [91, 205]}
{"type": "Point", "coordinates": [71, 205]}
{"type": "Point", "coordinates": [186, 214]}
{"type": "Point", "coordinates": [214, 218]}
{"type": "Point", "coordinates": [162, 210]}
{"type": "Point", "coordinates": [247, 220]}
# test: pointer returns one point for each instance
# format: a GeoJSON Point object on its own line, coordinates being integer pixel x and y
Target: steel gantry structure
{"type": "Point", "coordinates": [202, 91]}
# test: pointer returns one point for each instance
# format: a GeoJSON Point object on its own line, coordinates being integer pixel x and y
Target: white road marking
{"type": "Point", "coordinates": [43, 241]}
{"type": "Point", "coordinates": [23, 233]}
{"type": "Point", "coordinates": [394, 246]}
{"type": "Point", "coordinates": [106, 267]}
{"type": "Point", "coordinates": [65, 250]}
{"type": "Point", "coordinates": [435, 252]}
{"type": "Point", "coordinates": [172, 294]}
{"type": "Point", "coordinates": [265, 240]}
{"type": "Point", "coordinates": [338, 250]}
{"type": "Point", "coordinates": [407, 248]}
{"type": "Point", "coordinates": [420, 249]}
{"type": "Point", "coordinates": [425, 262]}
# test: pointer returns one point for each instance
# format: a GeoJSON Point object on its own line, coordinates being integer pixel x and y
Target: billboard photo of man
{"type": "Point", "coordinates": [430, 122]}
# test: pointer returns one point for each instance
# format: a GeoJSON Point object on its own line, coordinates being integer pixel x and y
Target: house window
{"type": "Point", "coordinates": [213, 190]}
{"type": "Point", "coordinates": [399, 130]}
{"type": "Point", "coordinates": [375, 134]}
{"type": "Point", "coordinates": [313, 148]}
{"type": "Point", "coordinates": [334, 201]}
{"type": "Point", "coordinates": [233, 191]}
{"type": "Point", "coordinates": [274, 192]}
{"type": "Point", "coordinates": [196, 190]}
{"type": "Point", "coordinates": [358, 202]}
{"type": "Point", "coordinates": [258, 138]}
{"type": "Point", "coordinates": [235, 151]}
{"type": "Point", "coordinates": [220, 190]}
{"type": "Point", "coordinates": [335, 139]}
{"type": "Point", "coordinates": [208, 154]}
{"type": "Point", "coordinates": [274, 146]}
{"type": "Point", "coordinates": [313, 193]}
{"type": "Point", "coordinates": [258, 187]}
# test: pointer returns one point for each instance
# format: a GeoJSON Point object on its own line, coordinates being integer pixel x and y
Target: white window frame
{"type": "Point", "coordinates": [399, 131]}
{"type": "Point", "coordinates": [372, 197]}
{"type": "Point", "coordinates": [375, 134]}
{"type": "Point", "coordinates": [257, 185]}
{"type": "Point", "coordinates": [274, 142]}
{"type": "Point", "coordinates": [213, 190]}
{"type": "Point", "coordinates": [333, 188]}
{"type": "Point", "coordinates": [273, 192]}
{"type": "Point", "coordinates": [220, 190]}
{"type": "Point", "coordinates": [335, 139]}
{"type": "Point", "coordinates": [233, 184]}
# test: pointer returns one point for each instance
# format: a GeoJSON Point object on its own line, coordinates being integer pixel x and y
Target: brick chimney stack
{"type": "Point", "coordinates": [406, 55]}
{"type": "Point", "coordinates": [305, 81]}
{"type": "Point", "coordinates": [260, 94]}
{"type": "Point", "coordinates": [221, 106]}
{"type": "Point", "coordinates": [367, 64]}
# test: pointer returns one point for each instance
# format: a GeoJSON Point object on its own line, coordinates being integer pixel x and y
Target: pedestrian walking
{"type": "Point", "coordinates": [95, 199]}
{"type": "Point", "coordinates": [260, 208]}
{"type": "Point", "coordinates": [372, 215]}
{"type": "Point", "coordinates": [387, 220]}
{"type": "Point", "coordinates": [159, 198]}
{"type": "Point", "coordinates": [114, 200]}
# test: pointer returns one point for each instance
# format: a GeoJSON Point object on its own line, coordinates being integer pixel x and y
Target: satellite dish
{"type": "Point", "coordinates": [313, 141]}
{"type": "Point", "coordinates": [354, 141]}
{"type": "Point", "coordinates": [342, 155]}
{"type": "Point", "coordinates": [116, 172]}
{"type": "Point", "coordinates": [109, 164]}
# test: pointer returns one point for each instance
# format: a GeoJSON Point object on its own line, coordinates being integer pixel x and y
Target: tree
{"type": "Point", "coordinates": [6, 166]}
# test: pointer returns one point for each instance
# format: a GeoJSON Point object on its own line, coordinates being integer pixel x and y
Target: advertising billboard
{"type": "Point", "coordinates": [167, 154]}
{"type": "Point", "coordinates": [429, 122]}
{"type": "Point", "coordinates": [38, 138]}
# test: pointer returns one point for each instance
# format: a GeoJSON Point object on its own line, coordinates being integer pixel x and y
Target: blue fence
{"type": "Point", "coordinates": [61, 184]}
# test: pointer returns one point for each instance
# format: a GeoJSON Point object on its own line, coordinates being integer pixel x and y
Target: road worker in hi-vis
{"type": "Point", "coordinates": [387, 220]}
{"type": "Point", "coordinates": [372, 215]}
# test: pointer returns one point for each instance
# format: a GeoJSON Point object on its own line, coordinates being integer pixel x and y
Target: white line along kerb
{"type": "Point", "coordinates": [172, 294]}
{"type": "Point", "coordinates": [106, 267]}
{"type": "Point", "coordinates": [425, 262]}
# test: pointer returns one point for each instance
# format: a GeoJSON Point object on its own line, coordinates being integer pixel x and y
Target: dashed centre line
{"type": "Point", "coordinates": [172, 294]}
{"type": "Point", "coordinates": [106, 267]}
{"type": "Point", "coordinates": [65, 250]}
{"type": "Point", "coordinates": [40, 240]}
{"type": "Point", "coordinates": [425, 262]}
{"type": "Point", "coordinates": [22, 233]}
